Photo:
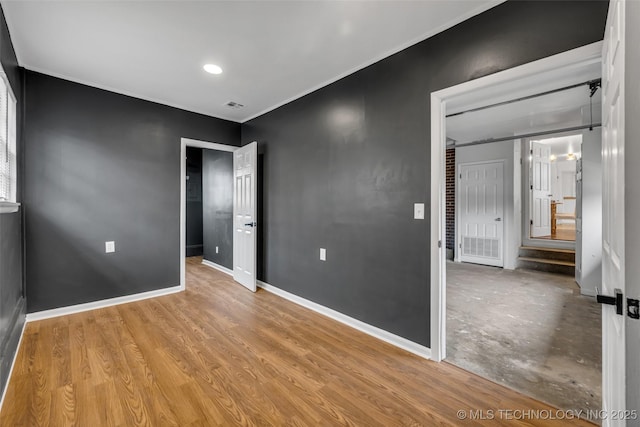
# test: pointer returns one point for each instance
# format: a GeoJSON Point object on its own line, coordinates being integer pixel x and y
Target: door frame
{"type": "Point", "coordinates": [527, 240]}
{"type": "Point", "coordinates": [437, 278]}
{"type": "Point", "coordinates": [457, 205]}
{"type": "Point", "coordinates": [184, 143]}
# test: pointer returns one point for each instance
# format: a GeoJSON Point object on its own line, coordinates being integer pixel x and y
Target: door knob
{"type": "Point", "coordinates": [251, 224]}
{"type": "Point", "coordinates": [498, 219]}
{"type": "Point", "coordinates": [609, 300]}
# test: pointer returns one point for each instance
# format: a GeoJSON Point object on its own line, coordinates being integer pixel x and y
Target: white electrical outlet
{"type": "Point", "coordinates": [217, 250]}
{"type": "Point", "coordinates": [109, 247]}
{"type": "Point", "coordinates": [418, 211]}
{"type": "Point", "coordinates": [323, 254]}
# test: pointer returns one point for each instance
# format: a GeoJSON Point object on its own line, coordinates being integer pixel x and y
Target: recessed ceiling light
{"type": "Point", "coordinates": [212, 68]}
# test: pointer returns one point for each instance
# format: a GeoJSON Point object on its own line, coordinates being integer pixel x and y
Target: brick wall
{"type": "Point", "coordinates": [451, 197]}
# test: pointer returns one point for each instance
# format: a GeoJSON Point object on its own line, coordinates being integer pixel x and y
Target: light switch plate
{"type": "Point", "coordinates": [109, 247]}
{"type": "Point", "coordinates": [418, 211]}
{"type": "Point", "coordinates": [323, 254]}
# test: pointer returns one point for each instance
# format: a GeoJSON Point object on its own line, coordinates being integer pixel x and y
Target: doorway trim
{"type": "Point", "coordinates": [184, 143]}
{"type": "Point", "coordinates": [569, 59]}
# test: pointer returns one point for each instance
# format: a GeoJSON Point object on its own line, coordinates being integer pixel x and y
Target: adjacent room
{"type": "Point", "coordinates": [209, 207]}
{"type": "Point", "coordinates": [233, 213]}
{"type": "Point", "coordinates": [563, 156]}
{"type": "Point", "coordinates": [520, 309]}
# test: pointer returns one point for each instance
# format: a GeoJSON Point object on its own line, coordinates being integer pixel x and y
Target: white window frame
{"type": "Point", "coordinates": [8, 153]}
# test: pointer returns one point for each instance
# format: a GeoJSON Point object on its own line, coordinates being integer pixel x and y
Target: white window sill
{"type": "Point", "coordinates": [9, 207]}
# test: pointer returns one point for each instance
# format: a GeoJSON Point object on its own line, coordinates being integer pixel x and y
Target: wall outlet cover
{"type": "Point", "coordinates": [418, 211]}
{"type": "Point", "coordinates": [323, 254]}
{"type": "Point", "coordinates": [110, 247]}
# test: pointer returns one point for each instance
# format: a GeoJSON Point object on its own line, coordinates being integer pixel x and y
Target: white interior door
{"type": "Point", "coordinates": [613, 220]}
{"type": "Point", "coordinates": [481, 220]}
{"type": "Point", "coordinates": [244, 215]}
{"type": "Point", "coordinates": [540, 190]}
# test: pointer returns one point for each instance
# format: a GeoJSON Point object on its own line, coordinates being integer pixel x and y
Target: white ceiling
{"type": "Point", "coordinates": [563, 145]}
{"type": "Point", "coordinates": [271, 51]}
{"type": "Point", "coordinates": [562, 109]}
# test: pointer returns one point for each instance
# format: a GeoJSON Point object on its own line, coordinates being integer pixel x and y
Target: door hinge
{"type": "Point", "coordinates": [439, 243]}
{"type": "Point", "coordinates": [460, 176]}
{"type": "Point", "coordinates": [530, 151]}
{"type": "Point", "coordinates": [531, 221]}
{"type": "Point", "coordinates": [520, 160]}
{"type": "Point", "coordinates": [532, 186]}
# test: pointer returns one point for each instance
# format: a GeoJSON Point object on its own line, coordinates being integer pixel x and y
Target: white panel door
{"type": "Point", "coordinates": [540, 190]}
{"type": "Point", "coordinates": [613, 221]}
{"type": "Point", "coordinates": [480, 194]}
{"type": "Point", "coordinates": [244, 215]}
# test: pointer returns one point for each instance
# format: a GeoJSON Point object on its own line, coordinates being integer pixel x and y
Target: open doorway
{"type": "Point", "coordinates": [552, 181]}
{"type": "Point", "coordinates": [526, 327]}
{"type": "Point", "coordinates": [218, 208]}
{"type": "Point", "coordinates": [209, 210]}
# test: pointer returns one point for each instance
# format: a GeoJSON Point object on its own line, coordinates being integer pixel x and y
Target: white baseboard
{"type": "Point", "coordinates": [381, 334]}
{"type": "Point", "coordinates": [217, 267]}
{"type": "Point", "coordinates": [15, 357]}
{"type": "Point", "coordinates": [78, 308]}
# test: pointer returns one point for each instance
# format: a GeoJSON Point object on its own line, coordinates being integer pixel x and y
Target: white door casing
{"type": "Point", "coordinates": [564, 63]}
{"type": "Point", "coordinates": [540, 189]}
{"type": "Point", "coordinates": [245, 162]}
{"type": "Point", "coordinates": [481, 213]}
{"type": "Point", "coordinates": [613, 205]}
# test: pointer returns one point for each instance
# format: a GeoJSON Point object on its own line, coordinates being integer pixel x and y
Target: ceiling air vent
{"type": "Point", "coordinates": [234, 105]}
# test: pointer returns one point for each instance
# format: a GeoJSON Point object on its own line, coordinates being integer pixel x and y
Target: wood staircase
{"type": "Point", "coordinates": [551, 260]}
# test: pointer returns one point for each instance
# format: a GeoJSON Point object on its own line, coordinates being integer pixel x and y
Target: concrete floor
{"type": "Point", "coordinates": [530, 331]}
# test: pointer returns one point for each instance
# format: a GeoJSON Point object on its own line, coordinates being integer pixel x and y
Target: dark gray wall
{"type": "Point", "coordinates": [12, 305]}
{"type": "Point", "coordinates": [217, 199]}
{"type": "Point", "coordinates": [632, 200]}
{"type": "Point", "coordinates": [344, 165]}
{"type": "Point", "coordinates": [193, 235]}
{"type": "Point", "coordinates": [101, 166]}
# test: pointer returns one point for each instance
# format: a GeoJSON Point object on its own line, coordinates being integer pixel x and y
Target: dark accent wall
{"type": "Point", "coordinates": [344, 165]}
{"type": "Point", "coordinates": [101, 166]}
{"type": "Point", "coordinates": [12, 302]}
{"type": "Point", "coordinates": [193, 235]}
{"type": "Point", "coordinates": [217, 199]}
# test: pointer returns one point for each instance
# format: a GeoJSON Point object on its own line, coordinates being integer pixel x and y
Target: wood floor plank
{"type": "Point", "coordinates": [80, 365]}
{"type": "Point", "coordinates": [218, 355]}
{"type": "Point", "coordinates": [110, 410]}
{"type": "Point", "coordinates": [87, 413]}
{"type": "Point", "coordinates": [64, 406]}
{"type": "Point", "coordinates": [61, 354]}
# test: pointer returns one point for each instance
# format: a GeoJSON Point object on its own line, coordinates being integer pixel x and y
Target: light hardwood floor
{"type": "Point", "coordinates": [218, 354]}
{"type": "Point", "coordinates": [563, 232]}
